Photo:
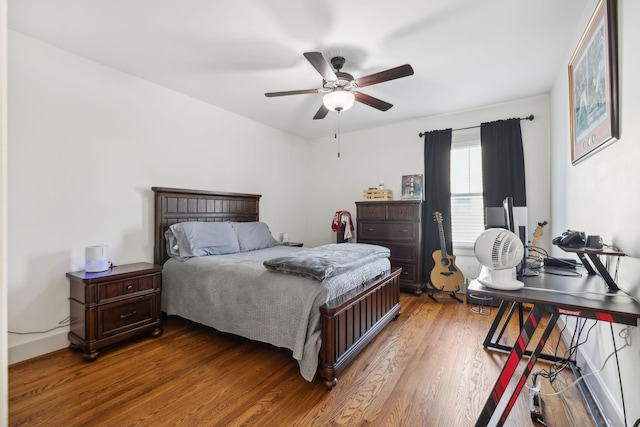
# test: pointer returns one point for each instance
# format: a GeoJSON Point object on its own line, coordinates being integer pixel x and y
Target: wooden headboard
{"type": "Point", "coordinates": [173, 205]}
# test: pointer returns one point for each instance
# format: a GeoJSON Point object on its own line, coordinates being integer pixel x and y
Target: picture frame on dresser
{"type": "Point", "coordinates": [412, 187]}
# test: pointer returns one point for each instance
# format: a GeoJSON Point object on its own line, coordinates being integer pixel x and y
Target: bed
{"type": "Point", "coordinates": [336, 328]}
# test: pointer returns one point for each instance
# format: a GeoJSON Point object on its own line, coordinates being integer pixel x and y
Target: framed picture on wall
{"type": "Point", "coordinates": [411, 187]}
{"type": "Point", "coordinates": [593, 84]}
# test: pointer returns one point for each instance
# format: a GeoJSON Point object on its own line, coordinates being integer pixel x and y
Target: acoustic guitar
{"type": "Point", "coordinates": [445, 274]}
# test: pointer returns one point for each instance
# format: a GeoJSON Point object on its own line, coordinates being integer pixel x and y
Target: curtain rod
{"type": "Point", "coordinates": [529, 117]}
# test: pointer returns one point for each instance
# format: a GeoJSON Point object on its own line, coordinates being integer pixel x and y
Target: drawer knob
{"type": "Point", "coordinates": [129, 287]}
{"type": "Point", "coordinates": [369, 229]}
{"type": "Point", "coordinates": [124, 316]}
{"type": "Point", "coordinates": [404, 231]}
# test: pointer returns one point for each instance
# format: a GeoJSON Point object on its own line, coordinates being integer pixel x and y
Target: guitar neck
{"type": "Point", "coordinates": [443, 245]}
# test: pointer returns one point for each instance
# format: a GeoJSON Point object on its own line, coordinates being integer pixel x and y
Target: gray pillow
{"type": "Point", "coordinates": [194, 239]}
{"type": "Point", "coordinates": [253, 236]}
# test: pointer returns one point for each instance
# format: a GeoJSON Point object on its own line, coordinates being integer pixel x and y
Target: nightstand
{"type": "Point", "coordinates": [298, 244]}
{"type": "Point", "coordinates": [114, 305]}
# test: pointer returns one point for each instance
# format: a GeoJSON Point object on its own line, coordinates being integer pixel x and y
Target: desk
{"type": "Point", "coordinates": [608, 307]}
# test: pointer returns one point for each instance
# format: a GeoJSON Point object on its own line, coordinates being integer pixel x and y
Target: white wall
{"type": "Point", "coordinates": [389, 152]}
{"type": "Point", "coordinates": [86, 144]}
{"type": "Point", "coordinates": [599, 196]}
{"type": "Point", "coordinates": [4, 404]}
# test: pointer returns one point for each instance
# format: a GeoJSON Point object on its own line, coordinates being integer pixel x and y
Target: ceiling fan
{"type": "Point", "coordinates": [341, 88]}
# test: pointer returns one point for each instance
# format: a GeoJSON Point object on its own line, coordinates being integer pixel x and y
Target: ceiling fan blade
{"type": "Point", "coordinates": [372, 102]}
{"type": "Point", "coordinates": [322, 113]}
{"type": "Point", "coordinates": [291, 92]}
{"type": "Point", "coordinates": [384, 76]}
{"type": "Point", "coordinates": [319, 63]}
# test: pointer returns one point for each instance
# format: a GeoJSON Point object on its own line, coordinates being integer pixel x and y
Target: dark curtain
{"type": "Point", "coordinates": [502, 162]}
{"type": "Point", "coordinates": [437, 186]}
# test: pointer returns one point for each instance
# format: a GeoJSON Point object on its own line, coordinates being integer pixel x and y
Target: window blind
{"type": "Point", "coordinates": [467, 206]}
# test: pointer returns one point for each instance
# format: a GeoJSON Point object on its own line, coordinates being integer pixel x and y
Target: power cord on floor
{"type": "Point", "coordinates": [61, 324]}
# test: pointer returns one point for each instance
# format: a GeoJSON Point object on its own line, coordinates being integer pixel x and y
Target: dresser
{"type": "Point", "coordinates": [396, 225]}
{"type": "Point", "coordinates": [114, 305]}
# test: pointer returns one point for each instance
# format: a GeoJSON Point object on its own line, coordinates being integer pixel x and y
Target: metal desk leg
{"type": "Point", "coordinates": [488, 340]}
{"type": "Point", "coordinates": [491, 341]}
{"type": "Point", "coordinates": [512, 363]}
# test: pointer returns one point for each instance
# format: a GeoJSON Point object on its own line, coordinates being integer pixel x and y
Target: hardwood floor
{"type": "Point", "coordinates": [428, 368]}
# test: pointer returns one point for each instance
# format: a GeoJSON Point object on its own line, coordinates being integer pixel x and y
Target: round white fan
{"type": "Point", "coordinates": [499, 251]}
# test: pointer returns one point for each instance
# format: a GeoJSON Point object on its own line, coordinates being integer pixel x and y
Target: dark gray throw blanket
{"type": "Point", "coordinates": [326, 261]}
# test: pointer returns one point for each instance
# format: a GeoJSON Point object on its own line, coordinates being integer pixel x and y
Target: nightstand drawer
{"type": "Point", "coordinates": [111, 290]}
{"type": "Point", "coordinates": [116, 289]}
{"type": "Point", "coordinates": [122, 316]}
{"type": "Point", "coordinates": [401, 231]}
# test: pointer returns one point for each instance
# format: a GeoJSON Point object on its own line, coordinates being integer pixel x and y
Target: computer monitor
{"type": "Point", "coordinates": [509, 221]}
{"type": "Point", "coordinates": [514, 219]}
{"type": "Point", "coordinates": [495, 218]}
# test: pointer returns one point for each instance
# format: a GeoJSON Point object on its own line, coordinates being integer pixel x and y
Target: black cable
{"type": "Point", "coordinates": [624, 409]}
{"type": "Point", "coordinates": [564, 273]}
{"type": "Point", "coordinates": [547, 256]}
{"type": "Point", "coordinates": [570, 354]}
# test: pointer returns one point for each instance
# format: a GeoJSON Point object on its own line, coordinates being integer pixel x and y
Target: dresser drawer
{"type": "Point", "coordinates": [409, 272]}
{"type": "Point", "coordinates": [402, 252]}
{"type": "Point", "coordinates": [402, 212]}
{"type": "Point", "coordinates": [124, 315]}
{"type": "Point", "coordinates": [372, 211]}
{"type": "Point", "coordinates": [112, 290]}
{"type": "Point", "coordinates": [396, 231]}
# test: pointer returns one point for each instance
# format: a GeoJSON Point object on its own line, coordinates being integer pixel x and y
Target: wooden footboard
{"type": "Point", "coordinates": [350, 321]}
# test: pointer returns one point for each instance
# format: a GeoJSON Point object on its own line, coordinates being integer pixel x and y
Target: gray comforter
{"type": "Point", "coordinates": [327, 261]}
{"type": "Point", "coordinates": [235, 293]}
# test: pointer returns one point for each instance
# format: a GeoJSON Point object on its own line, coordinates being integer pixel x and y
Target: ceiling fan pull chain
{"type": "Point", "coordinates": [336, 134]}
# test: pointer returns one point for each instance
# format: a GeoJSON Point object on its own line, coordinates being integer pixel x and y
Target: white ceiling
{"type": "Point", "coordinates": [465, 53]}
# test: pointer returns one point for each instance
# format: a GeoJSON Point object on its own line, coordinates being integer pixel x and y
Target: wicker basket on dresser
{"type": "Point", "coordinates": [396, 225]}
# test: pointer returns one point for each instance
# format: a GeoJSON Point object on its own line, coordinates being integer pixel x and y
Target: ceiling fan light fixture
{"type": "Point", "coordinates": [338, 100]}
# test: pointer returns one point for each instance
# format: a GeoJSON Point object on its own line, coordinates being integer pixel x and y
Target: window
{"type": "Point", "coordinates": [467, 206]}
